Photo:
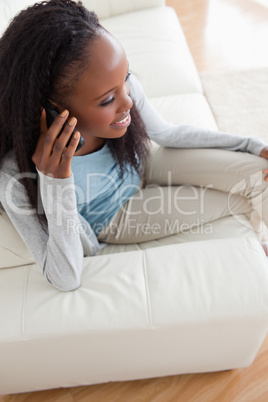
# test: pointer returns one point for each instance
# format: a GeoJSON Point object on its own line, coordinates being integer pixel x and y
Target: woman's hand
{"type": "Point", "coordinates": [264, 154]}
{"type": "Point", "coordinates": [51, 157]}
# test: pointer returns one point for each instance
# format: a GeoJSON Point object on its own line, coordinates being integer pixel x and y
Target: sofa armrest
{"type": "Point", "coordinates": [109, 8]}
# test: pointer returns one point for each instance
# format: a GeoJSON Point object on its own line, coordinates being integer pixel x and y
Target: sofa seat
{"type": "Point", "coordinates": [145, 310]}
{"type": "Point", "coordinates": [135, 316]}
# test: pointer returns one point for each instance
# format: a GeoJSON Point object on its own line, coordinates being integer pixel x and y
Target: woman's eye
{"type": "Point", "coordinates": [107, 101]}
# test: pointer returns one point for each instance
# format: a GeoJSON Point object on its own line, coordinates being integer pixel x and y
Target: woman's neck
{"type": "Point", "coordinates": [91, 145]}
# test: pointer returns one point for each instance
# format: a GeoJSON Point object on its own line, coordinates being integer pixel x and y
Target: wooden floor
{"type": "Point", "coordinates": [222, 35]}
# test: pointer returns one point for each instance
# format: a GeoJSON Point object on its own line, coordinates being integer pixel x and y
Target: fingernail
{"type": "Point", "coordinates": [76, 135]}
{"type": "Point", "coordinates": [64, 113]}
{"type": "Point", "coordinates": [72, 121]}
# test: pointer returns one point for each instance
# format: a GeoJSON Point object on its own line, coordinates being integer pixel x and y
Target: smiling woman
{"type": "Point", "coordinates": [119, 187]}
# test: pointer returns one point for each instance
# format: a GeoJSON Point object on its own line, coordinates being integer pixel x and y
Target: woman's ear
{"type": "Point", "coordinates": [55, 104]}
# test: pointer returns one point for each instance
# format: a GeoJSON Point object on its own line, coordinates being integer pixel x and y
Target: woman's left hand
{"type": "Point", "coordinates": [264, 154]}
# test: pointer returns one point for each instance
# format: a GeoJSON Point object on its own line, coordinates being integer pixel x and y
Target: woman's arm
{"type": "Point", "coordinates": [186, 136]}
{"type": "Point", "coordinates": [60, 251]}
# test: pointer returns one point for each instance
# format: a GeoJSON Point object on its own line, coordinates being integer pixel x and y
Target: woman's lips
{"type": "Point", "coordinates": [125, 122]}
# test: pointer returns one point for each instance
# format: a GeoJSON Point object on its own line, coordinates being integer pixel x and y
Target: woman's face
{"type": "Point", "coordinates": [101, 101]}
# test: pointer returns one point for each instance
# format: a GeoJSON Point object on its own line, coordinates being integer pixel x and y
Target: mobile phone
{"type": "Point", "coordinates": [51, 113]}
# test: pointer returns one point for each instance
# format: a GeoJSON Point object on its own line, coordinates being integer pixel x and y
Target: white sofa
{"type": "Point", "coordinates": [194, 302]}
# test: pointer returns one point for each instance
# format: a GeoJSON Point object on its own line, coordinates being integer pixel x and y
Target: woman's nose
{"type": "Point", "coordinates": [126, 102]}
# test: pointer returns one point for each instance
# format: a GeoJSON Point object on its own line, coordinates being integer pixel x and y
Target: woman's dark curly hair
{"type": "Point", "coordinates": [42, 55]}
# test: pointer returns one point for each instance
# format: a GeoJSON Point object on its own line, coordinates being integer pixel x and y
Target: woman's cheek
{"type": "Point", "coordinates": [103, 118]}
{"type": "Point", "coordinates": [108, 115]}
{"type": "Point", "coordinates": [94, 121]}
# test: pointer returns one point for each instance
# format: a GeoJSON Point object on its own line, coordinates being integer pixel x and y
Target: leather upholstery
{"type": "Point", "coordinates": [188, 303]}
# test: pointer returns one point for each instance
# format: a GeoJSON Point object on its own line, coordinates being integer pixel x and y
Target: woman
{"type": "Point", "coordinates": [118, 187]}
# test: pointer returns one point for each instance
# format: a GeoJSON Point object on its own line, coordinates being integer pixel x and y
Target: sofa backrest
{"type": "Point", "coordinates": [103, 8]}
{"type": "Point", "coordinates": [109, 8]}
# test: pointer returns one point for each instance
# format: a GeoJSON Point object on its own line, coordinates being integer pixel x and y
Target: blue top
{"type": "Point", "coordinates": [100, 191]}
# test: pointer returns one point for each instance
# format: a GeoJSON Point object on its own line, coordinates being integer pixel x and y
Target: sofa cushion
{"type": "Point", "coordinates": [157, 51]}
{"type": "Point", "coordinates": [126, 284]}
{"type": "Point", "coordinates": [190, 109]}
{"type": "Point", "coordinates": [109, 8]}
{"type": "Point", "coordinates": [13, 250]}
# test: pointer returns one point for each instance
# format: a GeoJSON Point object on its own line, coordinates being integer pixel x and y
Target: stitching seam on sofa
{"type": "Point", "coordinates": [13, 253]}
{"type": "Point", "coordinates": [28, 270]}
{"type": "Point", "coordinates": [144, 267]}
{"type": "Point", "coordinates": [259, 318]}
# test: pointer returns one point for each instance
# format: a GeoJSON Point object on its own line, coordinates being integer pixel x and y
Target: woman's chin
{"type": "Point", "coordinates": [118, 133]}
